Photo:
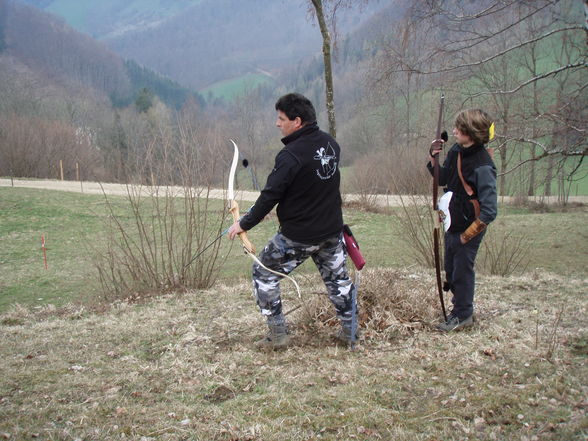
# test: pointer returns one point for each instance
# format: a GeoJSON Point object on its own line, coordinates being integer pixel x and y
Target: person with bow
{"type": "Point", "coordinates": [469, 204]}
{"type": "Point", "coordinates": [304, 184]}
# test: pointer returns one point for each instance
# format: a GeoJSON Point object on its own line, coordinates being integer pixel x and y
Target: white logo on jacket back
{"type": "Point", "coordinates": [328, 161]}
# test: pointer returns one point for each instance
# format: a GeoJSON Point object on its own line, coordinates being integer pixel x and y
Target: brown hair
{"type": "Point", "coordinates": [474, 123]}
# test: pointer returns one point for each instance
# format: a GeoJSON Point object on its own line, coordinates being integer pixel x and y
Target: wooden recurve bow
{"type": "Point", "coordinates": [437, 216]}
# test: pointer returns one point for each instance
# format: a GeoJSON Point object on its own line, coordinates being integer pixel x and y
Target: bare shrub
{"type": "Point", "coordinates": [151, 251]}
{"type": "Point", "coordinates": [503, 253]}
{"type": "Point", "coordinates": [152, 240]}
{"type": "Point", "coordinates": [397, 170]}
{"type": "Point", "coordinates": [416, 220]}
{"type": "Point", "coordinates": [552, 338]}
{"type": "Point", "coordinates": [407, 173]}
{"type": "Point", "coordinates": [367, 180]}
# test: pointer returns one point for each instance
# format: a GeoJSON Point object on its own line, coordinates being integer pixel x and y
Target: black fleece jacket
{"type": "Point", "coordinates": [479, 172]}
{"type": "Point", "coordinates": [305, 184]}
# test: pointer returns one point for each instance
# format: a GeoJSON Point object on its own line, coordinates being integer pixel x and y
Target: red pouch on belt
{"type": "Point", "coordinates": [353, 248]}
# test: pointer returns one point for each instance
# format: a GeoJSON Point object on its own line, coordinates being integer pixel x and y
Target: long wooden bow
{"type": "Point", "coordinates": [234, 206]}
{"type": "Point", "coordinates": [234, 209]}
{"type": "Point", "coordinates": [437, 215]}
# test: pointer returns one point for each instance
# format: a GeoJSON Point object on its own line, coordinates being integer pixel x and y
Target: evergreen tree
{"type": "Point", "coordinates": [144, 100]}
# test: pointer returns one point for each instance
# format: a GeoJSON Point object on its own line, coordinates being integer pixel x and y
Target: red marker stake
{"type": "Point", "coordinates": [44, 250]}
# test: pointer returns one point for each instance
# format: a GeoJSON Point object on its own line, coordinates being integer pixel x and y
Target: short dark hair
{"type": "Point", "coordinates": [296, 105]}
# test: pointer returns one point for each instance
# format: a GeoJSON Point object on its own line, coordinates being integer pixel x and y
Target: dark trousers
{"type": "Point", "coordinates": [459, 269]}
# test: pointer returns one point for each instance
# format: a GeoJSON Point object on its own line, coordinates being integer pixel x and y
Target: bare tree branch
{"type": "Point", "coordinates": [531, 80]}
{"type": "Point", "coordinates": [492, 57]}
{"type": "Point", "coordinates": [484, 37]}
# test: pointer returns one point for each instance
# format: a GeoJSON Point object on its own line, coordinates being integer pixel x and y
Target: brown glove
{"type": "Point", "coordinates": [473, 230]}
{"type": "Point", "coordinates": [436, 147]}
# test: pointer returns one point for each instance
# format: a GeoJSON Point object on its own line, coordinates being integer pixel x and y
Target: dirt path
{"type": "Point", "coordinates": [249, 196]}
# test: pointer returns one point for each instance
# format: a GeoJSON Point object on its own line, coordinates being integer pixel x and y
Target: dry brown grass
{"type": "Point", "coordinates": [391, 304]}
{"type": "Point", "coordinates": [183, 367]}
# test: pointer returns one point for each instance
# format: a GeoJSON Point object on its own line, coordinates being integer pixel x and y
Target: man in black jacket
{"type": "Point", "coordinates": [304, 183]}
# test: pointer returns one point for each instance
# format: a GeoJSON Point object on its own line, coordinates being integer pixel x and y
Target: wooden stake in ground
{"type": "Point", "coordinates": [44, 250]}
{"type": "Point", "coordinates": [78, 177]}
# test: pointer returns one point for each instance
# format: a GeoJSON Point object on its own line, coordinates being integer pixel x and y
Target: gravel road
{"type": "Point", "coordinates": [249, 196]}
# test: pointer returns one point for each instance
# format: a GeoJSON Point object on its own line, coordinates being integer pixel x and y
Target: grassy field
{"type": "Point", "coordinates": [230, 89]}
{"type": "Point", "coordinates": [68, 222]}
{"type": "Point", "coordinates": [73, 226]}
{"type": "Point", "coordinates": [182, 366]}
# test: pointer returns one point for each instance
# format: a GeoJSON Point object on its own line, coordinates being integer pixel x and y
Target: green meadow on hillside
{"type": "Point", "coordinates": [74, 224]}
{"type": "Point", "coordinates": [230, 89]}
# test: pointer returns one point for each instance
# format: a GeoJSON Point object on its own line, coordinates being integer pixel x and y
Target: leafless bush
{"type": "Point", "coordinates": [152, 240]}
{"type": "Point", "coordinates": [407, 173]}
{"type": "Point", "coordinates": [397, 170]}
{"type": "Point", "coordinates": [503, 254]}
{"type": "Point", "coordinates": [552, 339]}
{"type": "Point", "coordinates": [416, 220]}
{"type": "Point", "coordinates": [367, 180]}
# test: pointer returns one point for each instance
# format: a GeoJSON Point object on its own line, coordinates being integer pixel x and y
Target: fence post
{"type": "Point", "coordinates": [78, 177]}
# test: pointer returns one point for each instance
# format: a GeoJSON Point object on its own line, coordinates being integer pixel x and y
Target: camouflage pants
{"type": "Point", "coordinates": [284, 255]}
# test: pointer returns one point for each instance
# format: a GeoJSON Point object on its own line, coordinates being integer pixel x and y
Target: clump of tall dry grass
{"type": "Point", "coordinates": [392, 303]}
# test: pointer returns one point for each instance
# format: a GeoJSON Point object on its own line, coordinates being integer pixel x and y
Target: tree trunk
{"type": "Point", "coordinates": [586, 19]}
{"type": "Point", "coordinates": [549, 175]}
{"type": "Point", "coordinates": [330, 102]}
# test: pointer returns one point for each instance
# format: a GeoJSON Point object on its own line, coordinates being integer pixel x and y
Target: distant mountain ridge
{"type": "Point", "coordinates": [64, 56]}
{"type": "Point", "coordinates": [107, 18]}
{"type": "Point", "coordinates": [221, 39]}
{"type": "Point", "coordinates": [202, 42]}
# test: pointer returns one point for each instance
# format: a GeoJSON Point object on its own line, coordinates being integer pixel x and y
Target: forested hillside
{"type": "Point", "coordinates": [62, 54]}
{"type": "Point", "coordinates": [201, 42]}
{"type": "Point", "coordinates": [65, 97]}
{"type": "Point", "coordinates": [223, 39]}
{"type": "Point", "coordinates": [523, 62]}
